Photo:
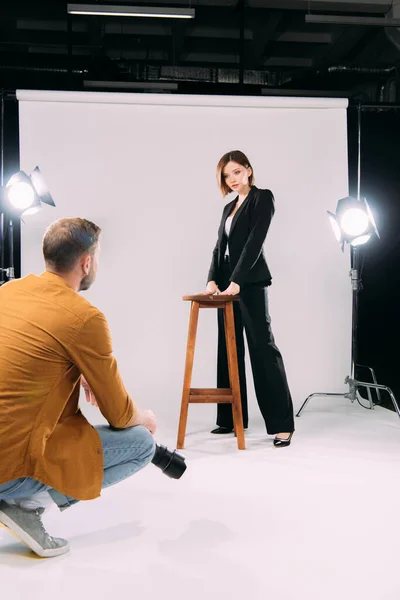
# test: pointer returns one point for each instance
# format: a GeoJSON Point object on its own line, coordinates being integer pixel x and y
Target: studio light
{"type": "Point", "coordinates": [23, 195]}
{"type": "Point", "coordinates": [41, 188]}
{"type": "Point", "coordinates": [353, 223]}
{"type": "Point", "coordinates": [26, 193]}
{"type": "Point", "coordinates": [112, 10]}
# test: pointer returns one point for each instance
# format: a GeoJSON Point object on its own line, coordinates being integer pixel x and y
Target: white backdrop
{"type": "Point", "coordinates": [142, 166]}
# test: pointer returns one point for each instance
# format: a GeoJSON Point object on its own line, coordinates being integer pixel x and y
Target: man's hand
{"type": "Point", "coordinates": [147, 419]}
{"type": "Point", "coordinates": [232, 290]}
{"type": "Point", "coordinates": [88, 392]}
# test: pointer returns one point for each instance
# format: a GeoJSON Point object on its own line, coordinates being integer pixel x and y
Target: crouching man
{"type": "Point", "coordinates": [50, 337]}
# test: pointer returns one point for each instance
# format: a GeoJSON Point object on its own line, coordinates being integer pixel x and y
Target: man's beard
{"type": "Point", "coordinates": [87, 281]}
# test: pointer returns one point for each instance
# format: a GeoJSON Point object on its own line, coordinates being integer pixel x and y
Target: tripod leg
{"type": "Point", "coordinates": [376, 386]}
{"type": "Point", "coordinates": [374, 379]}
{"type": "Point", "coordinates": [316, 394]}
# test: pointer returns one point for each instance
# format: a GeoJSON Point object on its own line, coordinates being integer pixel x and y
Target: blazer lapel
{"type": "Point", "coordinates": [227, 211]}
{"type": "Point", "coordinates": [239, 210]}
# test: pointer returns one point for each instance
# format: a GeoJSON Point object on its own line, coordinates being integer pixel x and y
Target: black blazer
{"type": "Point", "coordinates": [246, 238]}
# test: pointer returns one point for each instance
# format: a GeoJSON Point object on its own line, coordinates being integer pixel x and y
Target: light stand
{"type": "Point", "coordinates": [2, 269]}
{"type": "Point", "coordinates": [14, 201]}
{"type": "Point", "coordinates": [2, 228]}
{"type": "Point", "coordinates": [9, 271]}
{"type": "Point", "coordinates": [353, 383]}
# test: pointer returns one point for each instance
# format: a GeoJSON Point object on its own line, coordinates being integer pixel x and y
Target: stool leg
{"type": "Point", "coordinates": [191, 341]}
{"type": "Point", "coordinates": [234, 374]}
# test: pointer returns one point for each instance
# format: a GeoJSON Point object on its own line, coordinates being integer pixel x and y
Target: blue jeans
{"type": "Point", "coordinates": [125, 452]}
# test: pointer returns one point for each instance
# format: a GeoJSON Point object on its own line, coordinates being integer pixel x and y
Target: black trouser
{"type": "Point", "coordinates": [270, 382]}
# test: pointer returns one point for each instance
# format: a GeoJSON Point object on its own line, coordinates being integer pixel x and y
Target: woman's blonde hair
{"type": "Point", "coordinates": [235, 156]}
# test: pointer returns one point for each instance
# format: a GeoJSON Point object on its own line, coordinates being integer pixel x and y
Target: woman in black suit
{"type": "Point", "coordinates": [238, 266]}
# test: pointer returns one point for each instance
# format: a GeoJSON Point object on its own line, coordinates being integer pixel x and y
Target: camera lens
{"type": "Point", "coordinates": [171, 462]}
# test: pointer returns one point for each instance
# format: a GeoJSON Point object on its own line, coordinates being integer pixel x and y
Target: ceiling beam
{"type": "Point", "coordinates": [351, 20]}
{"type": "Point", "coordinates": [265, 29]}
{"type": "Point", "coordinates": [305, 37]}
{"type": "Point", "coordinates": [192, 30]}
{"type": "Point", "coordinates": [178, 42]}
{"type": "Point", "coordinates": [289, 62]}
{"type": "Point", "coordinates": [353, 6]}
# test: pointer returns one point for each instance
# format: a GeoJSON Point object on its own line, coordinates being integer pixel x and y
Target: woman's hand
{"type": "Point", "coordinates": [232, 290]}
{"type": "Point", "coordinates": [211, 289]}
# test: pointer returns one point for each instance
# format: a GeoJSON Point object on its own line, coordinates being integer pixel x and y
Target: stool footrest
{"type": "Point", "coordinates": [210, 396]}
{"type": "Point", "coordinates": [210, 399]}
{"type": "Point", "coordinates": [211, 391]}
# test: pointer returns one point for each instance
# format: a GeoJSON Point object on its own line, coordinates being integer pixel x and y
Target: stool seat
{"type": "Point", "coordinates": [229, 395]}
{"type": "Point", "coordinates": [211, 299]}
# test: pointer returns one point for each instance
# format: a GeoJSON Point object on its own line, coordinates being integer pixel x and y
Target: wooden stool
{"type": "Point", "coordinates": [229, 395]}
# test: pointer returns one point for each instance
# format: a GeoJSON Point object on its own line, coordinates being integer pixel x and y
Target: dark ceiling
{"type": "Point", "coordinates": [245, 46]}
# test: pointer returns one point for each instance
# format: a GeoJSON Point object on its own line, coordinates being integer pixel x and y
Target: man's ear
{"type": "Point", "coordinates": [86, 261]}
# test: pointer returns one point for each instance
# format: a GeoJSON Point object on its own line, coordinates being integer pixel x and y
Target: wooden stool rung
{"type": "Point", "coordinates": [211, 399]}
{"type": "Point", "coordinates": [210, 396]}
{"type": "Point", "coordinates": [210, 391]}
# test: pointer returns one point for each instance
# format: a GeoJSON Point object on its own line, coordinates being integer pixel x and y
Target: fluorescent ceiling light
{"type": "Point", "coordinates": [343, 20]}
{"type": "Point", "coordinates": [110, 10]}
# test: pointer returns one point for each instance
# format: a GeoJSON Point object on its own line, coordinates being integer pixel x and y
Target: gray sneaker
{"type": "Point", "coordinates": [28, 527]}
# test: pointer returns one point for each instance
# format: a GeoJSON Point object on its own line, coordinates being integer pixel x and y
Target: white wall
{"type": "Point", "coordinates": [143, 168]}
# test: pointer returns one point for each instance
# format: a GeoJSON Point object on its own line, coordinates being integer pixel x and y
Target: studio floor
{"type": "Point", "coordinates": [317, 520]}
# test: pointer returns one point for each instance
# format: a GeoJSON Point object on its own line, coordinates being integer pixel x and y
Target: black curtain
{"type": "Point", "coordinates": [11, 166]}
{"type": "Point", "coordinates": [379, 300]}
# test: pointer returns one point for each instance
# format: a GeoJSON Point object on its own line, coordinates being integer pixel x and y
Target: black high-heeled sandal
{"type": "Point", "coordinates": [281, 443]}
{"type": "Point", "coordinates": [220, 430]}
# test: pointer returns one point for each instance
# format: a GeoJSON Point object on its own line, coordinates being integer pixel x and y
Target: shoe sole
{"type": "Point", "coordinates": [26, 539]}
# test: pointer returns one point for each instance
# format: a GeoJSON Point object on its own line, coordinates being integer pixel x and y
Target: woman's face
{"type": "Point", "coordinates": [237, 177]}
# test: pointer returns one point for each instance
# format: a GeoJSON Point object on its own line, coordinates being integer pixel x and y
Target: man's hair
{"type": "Point", "coordinates": [67, 240]}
